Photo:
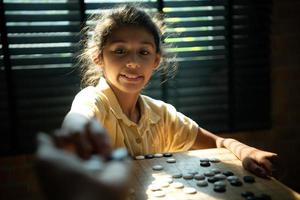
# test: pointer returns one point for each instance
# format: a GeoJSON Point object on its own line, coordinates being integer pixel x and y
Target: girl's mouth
{"type": "Point", "coordinates": [131, 77]}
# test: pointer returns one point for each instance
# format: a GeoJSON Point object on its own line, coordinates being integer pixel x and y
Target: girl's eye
{"type": "Point", "coordinates": [120, 51]}
{"type": "Point", "coordinates": [145, 52]}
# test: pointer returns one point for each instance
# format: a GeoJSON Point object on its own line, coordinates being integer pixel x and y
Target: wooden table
{"type": "Point", "coordinates": [189, 161]}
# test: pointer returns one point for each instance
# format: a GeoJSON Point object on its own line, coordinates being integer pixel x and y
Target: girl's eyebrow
{"type": "Point", "coordinates": [123, 41]}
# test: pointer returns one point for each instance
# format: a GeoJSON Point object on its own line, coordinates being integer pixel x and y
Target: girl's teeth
{"type": "Point", "coordinates": [131, 76]}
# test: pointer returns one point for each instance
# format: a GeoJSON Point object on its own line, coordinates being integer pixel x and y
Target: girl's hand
{"type": "Point", "coordinates": [83, 137]}
{"type": "Point", "coordinates": [259, 162]}
{"type": "Point", "coordinates": [63, 175]}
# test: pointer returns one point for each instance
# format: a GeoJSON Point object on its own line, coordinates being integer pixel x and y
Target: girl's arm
{"type": "Point", "coordinates": [257, 161]}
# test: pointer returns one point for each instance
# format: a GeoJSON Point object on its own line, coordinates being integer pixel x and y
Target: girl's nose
{"type": "Point", "coordinates": [132, 61]}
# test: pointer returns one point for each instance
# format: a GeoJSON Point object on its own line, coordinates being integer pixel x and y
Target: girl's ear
{"type": "Point", "coordinates": [97, 59]}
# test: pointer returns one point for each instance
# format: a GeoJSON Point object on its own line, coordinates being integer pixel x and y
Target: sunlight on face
{"type": "Point", "coordinates": [129, 58]}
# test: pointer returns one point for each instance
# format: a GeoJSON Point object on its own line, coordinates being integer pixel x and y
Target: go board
{"type": "Point", "coordinates": [152, 183]}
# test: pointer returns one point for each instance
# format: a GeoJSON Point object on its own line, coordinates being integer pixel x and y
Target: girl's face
{"type": "Point", "coordinates": [129, 59]}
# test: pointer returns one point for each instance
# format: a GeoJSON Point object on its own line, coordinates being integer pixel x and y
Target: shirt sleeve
{"type": "Point", "coordinates": [89, 104]}
{"type": "Point", "coordinates": [181, 130]}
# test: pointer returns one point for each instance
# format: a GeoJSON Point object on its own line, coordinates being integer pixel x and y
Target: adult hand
{"type": "Point", "coordinates": [261, 163]}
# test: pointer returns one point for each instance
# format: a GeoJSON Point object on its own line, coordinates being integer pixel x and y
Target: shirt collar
{"type": "Point", "coordinates": [147, 114]}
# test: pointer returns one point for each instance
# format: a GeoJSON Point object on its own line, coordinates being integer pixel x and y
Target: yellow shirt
{"type": "Point", "coordinates": [160, 129]}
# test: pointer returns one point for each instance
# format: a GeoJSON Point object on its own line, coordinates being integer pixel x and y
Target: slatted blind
{"type": "Point", "coordinates": [200, 89]}
{"type": "Point", "coordinates": [42, 37]}
{"type": "Point", "coordinates": [222, 51]}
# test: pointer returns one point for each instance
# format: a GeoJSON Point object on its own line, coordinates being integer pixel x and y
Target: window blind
{"type": "Point", "coordinates": [222, 49]}
{"type": "Point", "coordinates": [42, 38]}
{"type": "Point", "coordinates": [200, 88]}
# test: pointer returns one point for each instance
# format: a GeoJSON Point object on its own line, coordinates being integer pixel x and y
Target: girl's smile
{"type": "Point", "coordinates": [131, 77]}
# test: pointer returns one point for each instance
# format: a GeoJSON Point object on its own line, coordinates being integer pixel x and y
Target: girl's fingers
{"type": "Point", "coordinates": [83, 146]}
{"type": "Point", "coordinates": [267, 165]}
{"type": "Point", "coordinates": [267, 160]}
{"type": "Point", "coordinates": [62, 140]}
{"type": "Point", "coordinates": [58, 140]}
{"type": "Point", "coordinates": [77, 143]}
{"type": "Point", "coordinates": [252, 166]}
{"type": "Point", "coordinates": [99, 140]}
{"type": "Point", "coordinates": [92, 138]}
{"type": "Point", "coordinates": [100, 145]}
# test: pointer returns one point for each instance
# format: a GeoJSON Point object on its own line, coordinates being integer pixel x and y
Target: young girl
{"type": "Point", "coordinates": [121, 55]}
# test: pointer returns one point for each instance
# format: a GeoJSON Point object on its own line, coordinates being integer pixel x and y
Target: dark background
{"type": "Point", "coordinates": [284, 137]}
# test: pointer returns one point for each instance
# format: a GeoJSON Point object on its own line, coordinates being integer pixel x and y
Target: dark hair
{"type": "Point", "coordinates": [104, 23]}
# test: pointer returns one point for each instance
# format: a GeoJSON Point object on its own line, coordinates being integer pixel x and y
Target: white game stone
{"type": "Point", "coordinates": [158, 194]}
{"type": "Point", "coordinates": [157, 167]}
{"type": "Point", "coordinates": [166, 179]}
{"type": "Point", "coordinates": [171, 160]}
{"type": "Point", "coordinates": [154, 187]}
{"type": "Point", "coordinates": [177, 185]}
{"type": "Point", "coordinates": [140, 157]}
{"type": "Point", "coordinates": [163, 184]}
{"type": "Point", "coordinates": [190, 190]}
{"type": "Point", "coordinates": [158, 155]}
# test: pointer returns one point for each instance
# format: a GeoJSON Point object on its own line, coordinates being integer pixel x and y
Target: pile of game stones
{"type": "Point", "coordinates": [150, 156]}
{"type": "Point", "coordinates": [214, 176]}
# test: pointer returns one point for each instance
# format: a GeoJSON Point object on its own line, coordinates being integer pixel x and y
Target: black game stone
{"type": "Point", "coordinates": [228, 173]}
{"type": "Point", "coordinates": [212, 179]}
{"type": "Point", "coordinates": [204, 164]}
{"type": "Point", "coordinates": [149, 156]}
{"type": "Point", "coordinates": [204, 160]}
{"type": "Point", "coordinates": [247, 194]}
{"type": "Point", "coordinates": [236, 183]}
{"type": "Point", "coordinates": [168, 155]}
{"type": "Point", "coordinates": [249, 179]}
{"type": "Point", "coordinates": [251, 198]}
{"type": "Point", "coordinates": [218, 188]}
